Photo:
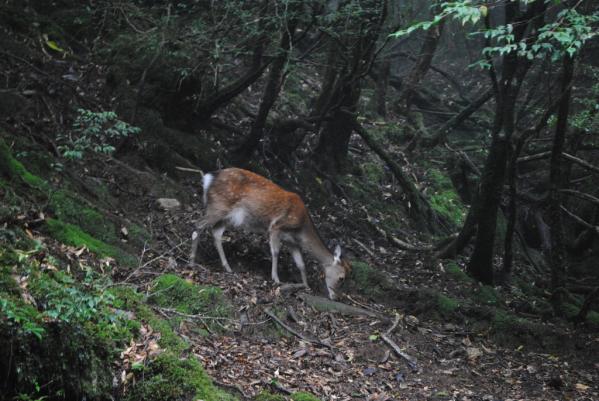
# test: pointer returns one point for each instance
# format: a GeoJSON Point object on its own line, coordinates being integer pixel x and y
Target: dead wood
{"type": "Point", "coordinates": [412, 363]}
{"type": "Point", "coordinates": [326, 305]}
{"type": "Point", "coordinates": [293, 331]}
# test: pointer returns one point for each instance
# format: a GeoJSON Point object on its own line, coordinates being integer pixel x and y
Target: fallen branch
{"type": "Point", "coordinates": [190, 170]}
{"type": "Point", "coordinates": [581, 195]}
{"type": "Point", "coordinates": [581, 162]}
{"type": "Point", "coordinates": [364, 247]}
{"type": "Point", "coordinates": [453, 122]}
{"type": "Point", "coordinates": [412, 363]}
{"type": "Point", "coordinates": [581, 221]}
{"type": "Point", "coordinates": [419, 207]}
{"type": "Point", "coordinates": [326, 305]}
{"type": "Point", "coordinates": [291, 287]}
{"type": "Point", "coordinates": [293, 331]}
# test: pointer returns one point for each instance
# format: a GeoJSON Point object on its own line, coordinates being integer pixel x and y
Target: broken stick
{"type": "Point", "coordinates": [412, 363]}
{"type": "Point", "coordinates": [293, 331]}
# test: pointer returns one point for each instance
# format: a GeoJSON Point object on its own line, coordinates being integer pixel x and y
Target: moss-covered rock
{"type": "Point", "coordinates": [171, 291]}
{"type": "Point", "coordinates": [71, 209]}
{"type": "Point", "coordinates": [13, 169]}
{"type": "Point", "coordinates": [369, 281]}
{"type": "Point", "coordinates": [170, 378]}
{"type": "Point", "coordinates": [73, 235]}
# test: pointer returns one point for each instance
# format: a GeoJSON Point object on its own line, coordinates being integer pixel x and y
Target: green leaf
{"type": "Point", "coordinates": [54, 46]}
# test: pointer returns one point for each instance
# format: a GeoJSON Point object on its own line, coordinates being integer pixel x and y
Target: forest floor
{"type": "Point", "coordinates": [345, 357]}
{"type": "Point", "coordinates": [450, 347]}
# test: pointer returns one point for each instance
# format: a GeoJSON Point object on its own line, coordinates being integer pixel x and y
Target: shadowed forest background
{"type": "Point", "coordinates": [450, 148]}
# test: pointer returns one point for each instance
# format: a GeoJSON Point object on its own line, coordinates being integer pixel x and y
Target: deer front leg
{"type": "Point", "coordinates": [275, 246]}
{"type": "Point", "coordinates": [299, 262]}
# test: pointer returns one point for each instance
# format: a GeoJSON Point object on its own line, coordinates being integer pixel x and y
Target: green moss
{"type": "Point", "coordinates": [12, 168]}
{"type": "Point", "coordinates": [506, 323]}
{"type": "Point", "coordinates": [373, 172]}
{"type": "Point", "coordinates": [138, 234]}
{"type": "Point", "coordinates": [169, 378]}
{"type": "Point", "coordinates": [171, 291]}
{"type": "Point", "coordinates": [368, 281]}
{"type": "Point", "coordinates": [487, 295]}
{"type": "Point", "coordinates": [444, 198]}
{"type": "Point", "coordinates": [128, 299]}
{"type": "Point", "coordinates": [447, 306]}
{"type": "Point", "coordinates": [268, 396]}
{"type": "Point", "coordinates": [570, 310]}
{"type": "Point", "coordinates": [457, 273]}
{"type": "Point", "coordinates": [71, 209]}
{"type": "Point", "coordinates": [593, 318]}
{"type": "Point", "coordinates": [72, 235]}
{"type": "Point", "coordinates": [303, 396]}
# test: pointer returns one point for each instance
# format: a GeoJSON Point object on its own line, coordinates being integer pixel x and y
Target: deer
{"type": "Point", "coordinates": [238, 198]}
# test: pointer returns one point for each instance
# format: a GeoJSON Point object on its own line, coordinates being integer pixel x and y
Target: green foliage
{"type": "Point", "coordinates": [566, 35]}
{"type": "Point", "coordinates": [24, 318]}
{"type": "Point", "coordinates": [62, 299]}
{"type": "Point", "coordinates": [51, 306]}
{"type": "Point", "coordinates": [445, 199]}
{"type": "Point", "coordinates": [73, 235]}
{"type": "Point", "coordinates": [303, 396]}
{"type": "Point", "coordinates": [94, 131]}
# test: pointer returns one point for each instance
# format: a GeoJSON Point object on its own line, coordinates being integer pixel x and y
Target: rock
{"type": "Point", "coordinates": [168, 203]}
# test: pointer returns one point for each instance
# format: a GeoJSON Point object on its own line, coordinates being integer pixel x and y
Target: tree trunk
{"type": "Point", "coordinates": [331, 151]}
{"type": "Point", "coordinates": [556, 176]}
{"type": "Point", "coordinates": [382, 83]}
{"type": "Point", "coordinates": [275, 80]}
{"type": "Point", "coordinates": [220, 97]}
{"type": "Point", "coordinates": [341, 89]}
{"type": "Point", "coordinates": [422, 65]}
{"type": "Point", "coordinates": [506, 89]}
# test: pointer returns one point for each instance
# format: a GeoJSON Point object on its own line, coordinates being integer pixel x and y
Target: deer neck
{"type": "Point", "coordinates": [312, 243]}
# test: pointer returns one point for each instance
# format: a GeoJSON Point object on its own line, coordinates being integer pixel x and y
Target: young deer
{"type": "Point", "coordinates": [239, 198]}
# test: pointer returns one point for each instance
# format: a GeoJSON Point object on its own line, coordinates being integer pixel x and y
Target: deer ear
{"type": "Point", "coordinates": [337, 254]}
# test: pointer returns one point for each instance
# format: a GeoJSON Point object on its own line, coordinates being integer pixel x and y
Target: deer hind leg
{"type": "Point", "coordinates": [275, 247]}
{"type": "Point", "coordinates": [195, 238]}
{"type": "Point", "coordinates": [299, 262]}
{"type": "Point", "coordinates": [217, 233]}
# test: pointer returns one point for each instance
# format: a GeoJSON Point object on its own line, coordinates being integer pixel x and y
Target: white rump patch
{"type": "Point", "coordinates": [206, 182]}
{"type": "Point", "coordinates": [194, 235]}
{"type": "Point", "coordinates": [237, 216]}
